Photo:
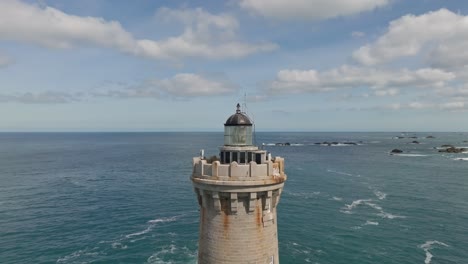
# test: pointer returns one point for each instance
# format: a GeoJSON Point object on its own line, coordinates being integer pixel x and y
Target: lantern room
{"type": "Point", "coordinates": [238, 130]}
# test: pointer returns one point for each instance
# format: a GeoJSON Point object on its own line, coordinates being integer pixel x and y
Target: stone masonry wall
{"type": "Point", "coordinates": [238, 227]}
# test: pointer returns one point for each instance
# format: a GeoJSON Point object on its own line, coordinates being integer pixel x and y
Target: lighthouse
{"type": "Point", "coordinates": [238, 194]}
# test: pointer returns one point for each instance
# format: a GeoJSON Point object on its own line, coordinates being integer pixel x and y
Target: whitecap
{"type": "Point", "coordinates": [335, 198]}
{"type": "Point", "coordinates": [371, 223]}
{"type": "Point", "coordinates": [389, 216]}
{"type": "Point", "coordinates": [464, 159]}
{"type": "Point", "coordinates": [355, 203]}
{"type": "Point", "coordinates": [163, 220]}
{"type": "Point", "coordinates": [427, 246]}
{"type": "Point", "coordinates": [152, 225]}
{"type": "Point", "coordinates": [118, 245]}
{"type": "Point", "coordinates": [380, 195]}
{"type": "Point", "coordinates": [409, 155]}
{"type": "Point", "coordinates": [78, 254]}
{"type": "Point", "coordinates": [375, 206]}
{"type": "Point", "coordinates": [340, 172]}
{"type": "Point", "coordinates": [149, 228]}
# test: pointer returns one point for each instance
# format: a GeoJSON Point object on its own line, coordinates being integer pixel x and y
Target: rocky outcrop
{"type": "Point", "coordinates": [453, 150]}
{"type": "Point", "coordinates": [396, 151]}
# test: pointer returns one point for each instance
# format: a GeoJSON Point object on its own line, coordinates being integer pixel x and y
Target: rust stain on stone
{"type": "Point", "coordinates": [258, 215]}
{"type": "Point", "coordinates": [225, 223]}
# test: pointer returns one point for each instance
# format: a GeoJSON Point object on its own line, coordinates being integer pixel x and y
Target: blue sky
{"type": "Point", "coordinates": [301, 65]}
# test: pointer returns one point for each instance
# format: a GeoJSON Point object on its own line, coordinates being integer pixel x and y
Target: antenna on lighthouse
{"type": "Point", "coordinates": [244, 104]}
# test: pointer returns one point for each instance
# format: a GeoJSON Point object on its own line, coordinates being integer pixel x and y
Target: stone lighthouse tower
{"type": "Point", "coordinates": [238, 195]}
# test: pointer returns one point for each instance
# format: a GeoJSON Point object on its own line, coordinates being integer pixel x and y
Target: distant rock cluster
{"type": "Point", "coordinates": [452, 149]}
{"type": "Point", "coordinates": [334, 143]}
{"type": "Point", "coordinates": [446, 148]}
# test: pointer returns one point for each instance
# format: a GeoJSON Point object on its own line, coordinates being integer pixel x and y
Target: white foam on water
{"type": "Point", "coordinates": [380, 195]}
{"type": "Point", "coordinates": [335, 198]}
{"type": "Point", "coordinates": [428, 246]}
{"type": "Point", "coordinates": [375, 206]}
{"type": "Point", "coordinates": [409, 155]}
{"type": "Point", "coordinates": [78, 254]}
{"type": "Point", "coordinates": [118, 245]}
{"type": "Point", "coordinates": [163, 220]}
{"type": "Point", "coordinates": [152, 225]}
{"type": "Point", "coordinates": [171, 250]}
{"type": "Point", "coordinates": [149, 228]}
{"type": "Point", "coordinates": [389, 216]}
{"type": "Point", "coordinates": [464, 159]}
{"type": "Point", "coordinates": [356, 203]}
{"type": "Point", "coordinates": [371, 223]}
{"type": "Point", "coordinates": [347, 209]}
{"type": "Point", "coordinates": [340, 172]}
{"type": "Point", "coordinates": [356, 227]}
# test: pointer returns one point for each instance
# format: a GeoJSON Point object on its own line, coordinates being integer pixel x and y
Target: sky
{"type": "Point", "coordinates": [296, 65]}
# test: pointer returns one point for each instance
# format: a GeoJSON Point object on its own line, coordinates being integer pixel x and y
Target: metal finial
{"type": "Point", "coordinates": [238, 109]}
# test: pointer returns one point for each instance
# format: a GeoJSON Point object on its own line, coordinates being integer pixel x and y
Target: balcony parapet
{"type": "Point", "coordinates": [271, 171]}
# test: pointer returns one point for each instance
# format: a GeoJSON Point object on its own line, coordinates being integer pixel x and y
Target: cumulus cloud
{"type": "Point", "coordinates": [302, 81]}
{"type": "Point", "coordinates": [441, 37]}
{"type": "Point", "coordinates": [309, 9]}
{"type": "Point", "coordinates": [182, 85]}
{"type": "Point", "coordinates": [205, 35]}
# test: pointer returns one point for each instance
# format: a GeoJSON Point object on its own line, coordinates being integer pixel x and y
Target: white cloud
{"type": "Point", "coordinates": [205, 35]}
{"type": "Point", "coordinates": [454, 106]}
{"type": "Point", "coordinates": [302, 81]}
{"type": "Point", "coordinates": [47, 97]}
{"type": "Point", "coordinates": [440, 36]}
{"type": "Point", "coordinates": [182, 85]}
{"type": "Point", "coordinates": [357, 34]}
{"type": "Point", "coordinates": [388, 92]}
{"type": "Point", "coordinates": [309, 9]}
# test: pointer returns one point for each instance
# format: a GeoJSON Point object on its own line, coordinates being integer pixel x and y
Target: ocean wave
{"type": "Point", "coordinates": [409, 155]}
{"type": "Point", "coordinates": [465, 159]}
{"type": "Point", "coordinates": [335, 198]}
{"type": "Point", "coordinates": [78, 255]}
{"type": "Point", "coordinates": [371, 223]}
{"type": "Point", "coordinates": [340, 172]}
{"type": "Point", "coordinates": [428, 246]}
{"type": "Point", "coordinates": [347, 209]}
{"type": "Point", "coordinates": [354, 204]}
{"type": "Point", "coordinates": [380, 195]}
{"type": "Point", "coordinates": [152, 225]}
{"type": "Point", "coordinates": [168, 255]}
{"type": "Point", "coordinates": [118, 245]}
{"type": "Point", "coordinates": [163, 220]}
{"type": "Point", "coordinates": [389, 215]}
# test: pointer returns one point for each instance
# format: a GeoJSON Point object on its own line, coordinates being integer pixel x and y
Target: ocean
{"type": "Point", "coordinates": [127, 197]}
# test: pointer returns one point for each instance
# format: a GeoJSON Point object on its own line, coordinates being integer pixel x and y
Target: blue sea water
{"type": "Point", "coordinates": [127, 198]}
